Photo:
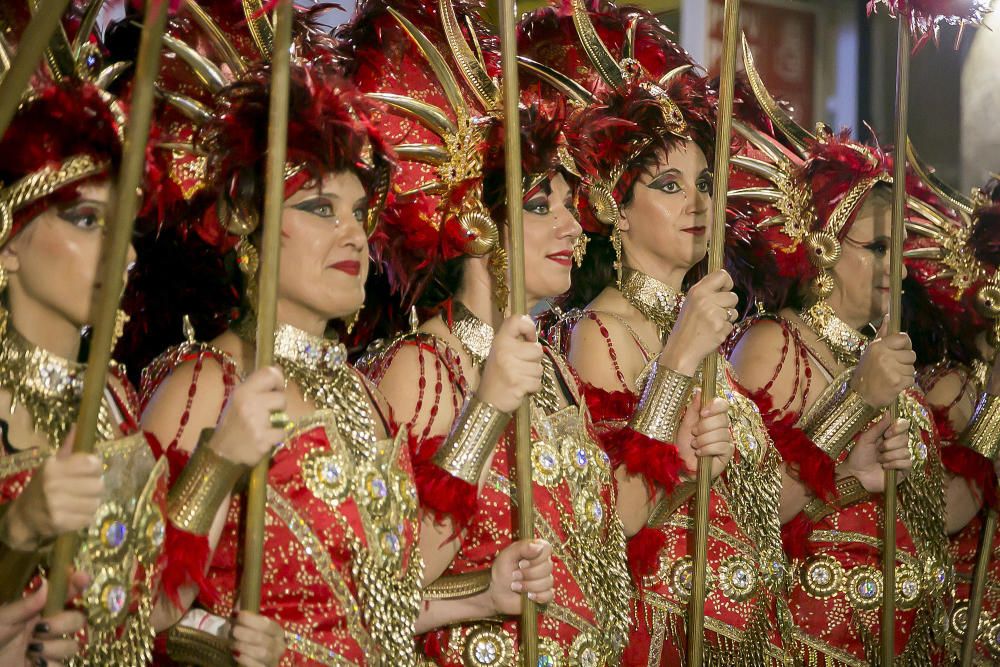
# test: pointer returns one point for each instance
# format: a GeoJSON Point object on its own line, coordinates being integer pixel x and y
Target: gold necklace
{"type": "Point", "coordinates": [659, 303]}
{"type": "Point", "coordinates": [49, 387]}
{"type": "Point", "coordinates": [846, 342]}
{"type": "Point", "coordinates": [475, 335]}
{"type": "Point", "coordinates": [319, 367]}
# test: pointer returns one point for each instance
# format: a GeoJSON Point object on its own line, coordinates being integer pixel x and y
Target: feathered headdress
{"type": "Point", "coordinates": [214, 84]}
{"type": "Point", "coordinates": [800, 201]}
{"type": "Point", "coordinates": [952, 250]}
{"type": "Point", "coordinates": [68, 129]}
{"type": "Point", "coordinates": [435, 67]}
{"type": "Point", "coordinates": [638, 92]}
{"type": "Point", "coordinates": [925, 17]}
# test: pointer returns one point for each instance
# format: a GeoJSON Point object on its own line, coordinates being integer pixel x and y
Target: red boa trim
{"type": "Point", "coordinates": [974, 468]}
{"type": "Point", "coordinates": [643, 552]}
{"type": "Point", "coordinates": [187, 561]}
{"type": "Point", "coordinates": [795, 536]}
{"type": "Point", "coordinates": [607, 405]}
{"type": "Point", "coordinates": [807, 461]}
{"type": "Point", "coordinates": [658, 462]}
{"type": "Point", "coordinates": [441, 494]}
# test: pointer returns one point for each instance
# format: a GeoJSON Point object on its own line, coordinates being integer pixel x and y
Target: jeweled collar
{"type": "Point", "coordinates": [475, 335]}
{"type": "Point", "coordinates": [846, 342]}
{"type": "Point", "coordinates": [304, 349]}
{"type": "Point", "coordinates": [48, 386]}
{"type": "Point", "coordinates": [658, 302]}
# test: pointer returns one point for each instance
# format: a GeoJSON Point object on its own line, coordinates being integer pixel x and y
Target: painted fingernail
{"type": "Point", "coordinates": [42, 627]}
{"type": "Point", "coordinates": [41, 662]}
{"type": "Point", "coordinates": [523, 563]}
{"type": "Point", "coordinates": [531, 596]}
{"type": "Point", "coordinates": [516, 586]}
{"type": "Point", "coordinates": [35, 647]}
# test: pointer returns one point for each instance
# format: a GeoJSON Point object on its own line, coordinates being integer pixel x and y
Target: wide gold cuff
{"type": "Point", "coordinates": [188, 646]}
{"type": "Point", "coordinates": [837, 416]}
{"type": "Point", "coordinates": [849, 491]}
{"type": "Point", "coordinates": [450, 587]}
{"type": "Point", "coordinates": [983, 432]}
{"type": "Point", "coordinates": [473, 436]}
{"type": "Point", "coordinates": [201, 488]}
{"type": "Point", "coordinates": [662, 404]}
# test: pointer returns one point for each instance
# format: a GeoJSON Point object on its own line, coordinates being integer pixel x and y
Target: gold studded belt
{"type": "Point", "coordinates": [824, 576]}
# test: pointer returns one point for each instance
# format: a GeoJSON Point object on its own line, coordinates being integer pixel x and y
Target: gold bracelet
{"type": "Point", "coordinates": [462, 585]}
{"type": "Point", "coordinates": [662, 404]}
{"type": "Point", "coordinates": [473, 436]}
{"type": "Point", "coordinates": [849, 491]}
{"type": "Point", "coordinates": [202, 487]}
{"type": "Point", "coordinates": [983, 432]}
{"type": "Point", "coordinates": [837, 416]}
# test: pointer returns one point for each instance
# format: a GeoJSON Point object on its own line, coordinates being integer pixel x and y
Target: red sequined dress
{"type": "Point", "coordinates": [574, 500]}
{"type": "Point", "coordinates": [744, 547]}
{"type": "Point", "coordinates": [836, 587]}
{"type": "Point", "coordinates": [962, 461]}
{"type": "Point", "coordinates": [341, 567]}
{"type": "Point", "coordinates": [122, 550]}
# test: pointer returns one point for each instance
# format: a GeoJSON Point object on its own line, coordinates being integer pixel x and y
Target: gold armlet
{"type": "Point", "coordinates": [837, 416]}
{"type": "Point", "coordinates": [473, 436]}
{"type": "Point", "coordinates": [458, 586]}
{"type": "Point", "coordinates": [849, 492]}
{"type": "Point", "coordinates": [201, 488]}
{"type": "Point", "coordinates": [667, 505]}
{"type": "Point", "coordinates": [983, 432]}
{"type": "Point", "coordinates": [188, 646]}
{"type": "Point", "coordinates": [662, 404]}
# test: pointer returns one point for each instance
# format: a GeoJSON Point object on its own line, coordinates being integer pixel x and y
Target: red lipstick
{"type": "Point", "coordinates": [564, 258]}
{"type": "Point", "coordinates": [351, 267]}
{"type": "Point", "coordinates": [695, 231]}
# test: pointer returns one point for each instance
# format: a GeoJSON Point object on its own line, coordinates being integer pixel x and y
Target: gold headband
{"type": "Point", "coordinates": [42, 183]}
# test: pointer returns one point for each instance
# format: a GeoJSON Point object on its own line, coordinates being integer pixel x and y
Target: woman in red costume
{"type": "Point", "coordinates": [342, 569]}
{"type": "Point", "coordinates": [472, 365]}
{"type": "Point", "coordinates": [950, 306]}
{"type": "Point", "coordinates": [819, 218]}
{"type": "Point", "coordinates": [58, 157]}
{"type": "Point", "coordinates": [637, 340]}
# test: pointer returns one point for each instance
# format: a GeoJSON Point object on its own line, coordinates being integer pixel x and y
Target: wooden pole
{"type": "Point", "coordinates": [274, 199]}
{"type": "Point", "coordinates": [522, 418]}
{"type": "Point", "coordinates": [978, 589]}
{"type": "Point", "coordinates": [710, 367]}
{"type": "Point", "coordinates": [888, 625]}
{"type": "Point", "coordinates": [29, 52]}
{"type": "Point", "coordinates": [124, 206]}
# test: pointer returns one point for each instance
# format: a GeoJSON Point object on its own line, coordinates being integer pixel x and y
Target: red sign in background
{"type": "Point", "coordinates": [783, 42]}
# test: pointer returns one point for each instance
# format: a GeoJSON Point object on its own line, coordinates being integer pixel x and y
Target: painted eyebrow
{"type": "Point", "coordinates": [669, 170]}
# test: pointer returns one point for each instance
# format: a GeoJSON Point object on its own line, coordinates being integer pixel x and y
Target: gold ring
{"type": "Point", "coordinates": [280, 419]}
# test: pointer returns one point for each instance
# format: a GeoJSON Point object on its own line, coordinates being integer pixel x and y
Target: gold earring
{"type": "Point", "coordinates": [121, 319]}
{"type": "Point", "coordinates": [352, 319]}
{"type": "Point", "coordinates": [498, 269]}
{"type": "Point", "coordinates": [580, 249]}
{"type": "Point", "coordinates": [248, 260]}
{"type": "Point", "coordinates": [616, 243]}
